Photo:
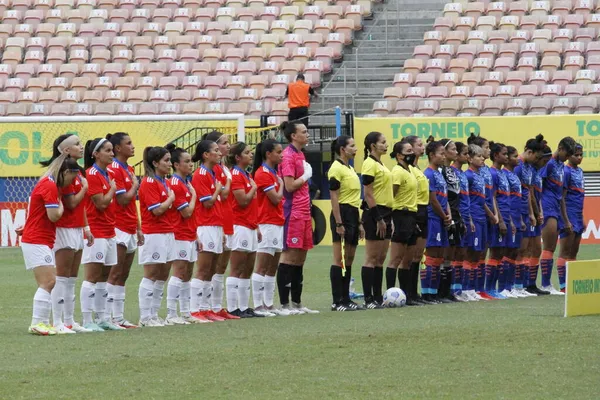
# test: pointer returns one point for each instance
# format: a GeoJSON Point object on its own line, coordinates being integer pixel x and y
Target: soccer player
{"type": "Point", "coordinates": [186, 248]}
{"type": "Point", "coordinates": [127, 225]}
{"type": "Point", "coordinates": [156, 199]}
{"type": "Point", "coordinates": [555, 213]}
{"type": "Point", "coordinates": [404, 217]}
{"type": "Point", "coordinates": [70, 231]}
{"type": "Point", "coordinates": [210, 228]}
{"type": "Point", "coordinates": [269, 187]}
{"type": "Point", "coordinates": [223, 174]}
{"type": "Point", "coordinates": [500, 231]}
{"type": "Point", "coordinates": [99, 258]}
{"type": "Point", "coordinates": [39, 235]}
{"type": "Point", "coordinates": [346, 228]}
{"type": "Point", "coordinates": [439, 219]}
{"type": "Point", "coordinates": [297, 231]}
{"type": "Point", "coordinates": [574, 186]}
{"type": "Point", "coordinates": [376, 218]}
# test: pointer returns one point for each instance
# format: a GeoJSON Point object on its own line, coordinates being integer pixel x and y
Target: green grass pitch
{"type": "Point", "coordinates": [512, 349]}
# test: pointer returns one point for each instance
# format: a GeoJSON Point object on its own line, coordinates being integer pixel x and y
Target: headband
{"type": "Point", "coordinates": [100, 143]}
{"type": "Point", "coordinates": [68, 142]}
{"type": "Point", "coordinates": [447, 143]}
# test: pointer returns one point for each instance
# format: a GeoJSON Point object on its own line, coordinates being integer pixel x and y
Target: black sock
{"type": "Point", "coordinates": [346, 284]}
{"type": "Point", "coordinates": [337, 282]}
{"type": "Point", "coordinates": [445, 276]}
{"type": "Point", "coordinates": [284, 279]}
{"type": "Point", "coordinates": [414, 278]}
{"type": "Point", "coordinates": [367, 282]}
{"type": "Point", "coordinates": [377, 282]}
{"type": "Point", "coordinates": [297, 281]}
{"type": "Point", "coordinates": [404, 278]}
{"type": "Point", "coordinates": [390, 277]}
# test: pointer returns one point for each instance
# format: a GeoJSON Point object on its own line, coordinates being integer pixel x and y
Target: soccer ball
{"type": "Point", "coordinates": [394, 297]}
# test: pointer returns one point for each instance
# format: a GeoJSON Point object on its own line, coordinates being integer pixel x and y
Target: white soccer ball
{"type": "Point", "coordinates": [394, 297]}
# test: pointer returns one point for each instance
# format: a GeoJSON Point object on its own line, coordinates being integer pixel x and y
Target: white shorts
{"type": "Point", "coordinates": [68, 238]}
{"type": "Point", "coordinates": [228, 243]}
{"type": "Point", "coordinates": [244, 239]}
{"type": "Point", "coordinates": [272, 237]}
{"type": "Point", "coordinates": [126, 239]}
{"type": "Point", "coordinates": [37, 255]}
{"type": "Point", "coordinates": [158, 248]}
{"type": "Point", "coordinates": [103, 251]}
{"type": "Point", "coordinates": [186, 250]}
{"type": "Point", "coordinates": [211, 238]}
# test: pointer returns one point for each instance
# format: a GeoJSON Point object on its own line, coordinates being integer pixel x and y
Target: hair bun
{"type": "Point", "coordinates": [539, 138]}
{"type": "Point", "coordinates": [171, 147]}
{"type": "Point", "coordinates": [108, 136]}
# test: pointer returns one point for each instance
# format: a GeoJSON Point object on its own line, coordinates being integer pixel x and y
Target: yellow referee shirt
{"type": "Point", "coordinates": [406, 196]}
{"type": "Point", "coordinates": [382, 183]}
{"type": "Point", "coordinates": [422, 186]}
{"type": "Point", "coordinates": [349, 191]}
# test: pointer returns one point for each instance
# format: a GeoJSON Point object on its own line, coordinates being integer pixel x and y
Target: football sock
{"type": "Point", "coordinates": [297, 283]}
{"type": "Point", "coordinates": [145, 294]}
{"type": "Point", "coordinates": [480, 276]}
{"type": "Point", "coordinates": [86, 297]}
{"type": "Point", "coordinates": [404, 278]}
{"type": "Point", "coordinates": [547, 263]}
{"type": "Point", "coordinates": [58, 300]}
{"type": "Point", "coordinates": [258, 289]}
{"type": "Point", "coordinates": [269, 292]}
{"type": "Point", "coordinates": [466, 269]}
{"type": "Point", "coordinates": [231, 288]}
{"type": "Point", "coordinates": [195, 294]}
{"type": "Point", "coordinates": [456, 277]}
{"type": "Point", "coordinates": [100, 298]}
{"type": "Point", "coordinates": [445, 279]}
{"type": "Point", "coordinates": [561, 269]}
{"type": "Point", "coordinates": [346, 284]}
{"type": "Point", "coordinates": [243, 293]}
{"type": "Point", "coordinates": [110, 293]}
{"type": "Point", "coordinates": [414, 276]}
{"type": "Point", "coordinates": [205, 295]}
{"type": "Point", "coordinates": [377, 283]}
{"type": "Point", "coordinates": [118, 306]}
{"type": "Point", "coordinates": [518, 274]}
{"type": "Point", "coordinates": [157, 296]}
{"type": "Point", "coordinates": [534, 266]}
{"type": "Point", "coordinates": [390, 277]}
{"type": "Point", "coordinates": [184, 298]}
{"type": "Point", "coordinates": [434, 283]}
{"type": "Point", "coordinates": [426, 275]}
{"type": "Point", "coordinates": [473, 276]}
{"type": "Point", "coordinates": [367, 282]}
{"type": "Point", "coordinates": [217, 292]}
{"type": "Point", "coordinates": [173, 293]}
{"type": "Point", "coordinates": [284, 282]}
{"type": "Point", "coordinates": [41, 307]}
{"type": "Point", "coordinates": [337, 280]}
{"type": "Point", "coordinates": [502, 267]}
{"type": "Point", "coordinates": [69, 308]}
{"type": "Point", "coordinates": [490, 271]}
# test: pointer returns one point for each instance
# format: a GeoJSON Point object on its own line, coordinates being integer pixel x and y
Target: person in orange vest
{"type": "Point", "coordinates": [298, 94]}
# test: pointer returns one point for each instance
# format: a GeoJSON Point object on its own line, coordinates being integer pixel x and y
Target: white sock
{"type": "Point", "coordinates": [145, 294]}
{"type": "Point", "coordinates": [100, 298]}
{"type": "Point", "coordinates": [118, 306]}
{"type": "Point", "coordinates": [110, 298]}
{"type": "Point", "coordinates": [173, 293]}
{"type": "Point", "coordinates": [86, 297]}
{"type": "Point", "coordinates": [41, 307]}
{"type": "Point", "coordinates": [269, 292]}
{"type": "Point", "coordinates": [231, 287]}
{"type": "Point", "coordinates": [184, 298]}
{"type": "Point", "coordinates": [159, 288]}
{"type": "Point", "coordinates": [204, 303]}
{"type": "Point", "coordinates": [216, 298]}
{"type": "Point", "coordinates": [195, 294]}
{"type": "Point", "coordinates": [258, 288]}
{"type": "Point", "coordinates": [244, 294]}
{"type": "Point", "coordinates": [58, 300]}
{"type": "Point", "coordinates": [69, 309]}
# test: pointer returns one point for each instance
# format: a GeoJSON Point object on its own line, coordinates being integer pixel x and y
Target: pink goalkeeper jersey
{"type": "Point", "coordinates": [296, 204]}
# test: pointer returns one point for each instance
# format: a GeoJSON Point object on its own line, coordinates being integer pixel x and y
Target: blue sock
{"type": "Point", "coordinates": [502, 276]}
{"type": "Point", "coordinates": [547, 263]}
{"type": "Point", "coordinates": [456, 286]}
{"type": "Point", "coordinates": [425, 279]}
{"type": "Point", "coordinates": [473, 278]}
{"type": "Point", "coordinates": [435, 280]}
{"type": "Point", "coordinates": [480, 278]}
{"type": "Point", "coordinates": [510, 275]}
{"type": "Point", "coordinates": [519, 276]}
{"type": "Point", "coordinates": [465, 279]}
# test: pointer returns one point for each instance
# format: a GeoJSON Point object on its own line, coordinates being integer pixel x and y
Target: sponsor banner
{"type": "Point", "coordinates": [513, 131]}
{"type": "Point", "coordinates": [583, 288]}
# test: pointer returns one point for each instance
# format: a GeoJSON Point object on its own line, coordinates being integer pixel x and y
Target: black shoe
{"type": "Point", "coordinates": [353, 306]}
{"type": "Point", "coordinates": [373, 305]}
{"type": "Point", "coordinates": [443, 300]}
{"type": "Point", "coordinates": [340, 307]}
{"type": "Point", "coordinates": [535, 290]}
{"type": "Point", "coordinates": [428, 299]}
{"type": "Point", "coordinates": [453, 298]}
{"type": "Point", "coordinates": [236, 313]}
{"type": "Point", "coordinates": [249, 313]}
{"type": "Point", "coordinates": [414, 303]}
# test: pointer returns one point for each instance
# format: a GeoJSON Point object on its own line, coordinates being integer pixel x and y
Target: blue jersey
{"type": "Point", "coordinates": [524, 172]}
{"type": "Point", "coordinates": [437, 184]}
{"type": "Point", "coordinates": [515, 197]}
{"type": "Point", "coordinates": [536, 184]}
{"type": "Point", "coordinates": [489, 186]}
{"type": "Point", "coordinates": [552, 186]}
{"type": "Point", "coordinates": [502, 190]}
{"type": "Point", "coordinates": [464, 204]}
{"type": "Point", "coordinates": [476, 195]}
{"type": "Point", "coordinates": [574, 182]}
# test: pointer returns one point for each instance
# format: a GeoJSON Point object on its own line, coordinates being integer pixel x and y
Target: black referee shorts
{"type": "Point", "coordinates": [370, 223]}
{"type": "Point", "coordinates": [422, 221]}
{"type": "Point", "coordinates": [351, 220]}
{"type": "Point", "coordinates": [299, 114]}
{"type": "Point", "coordinates": [405, 227]}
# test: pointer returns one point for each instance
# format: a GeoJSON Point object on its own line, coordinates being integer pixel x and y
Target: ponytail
{"type": "Point", "coordinates": [152, 155]}
{"type": "Point", "coordinates": [236, 150]}
{"type": "Point", "coordinates": [371, 139]}
{"type": "Point", "coordinates": [91, 147]}
{"type": "Point", "coordinates": [260, 152]}
{"type": "Point", "coordinates": [202, 147]}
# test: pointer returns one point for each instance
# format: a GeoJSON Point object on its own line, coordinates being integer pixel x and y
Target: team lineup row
{"type": "Point", "coordinates": [480, 229]}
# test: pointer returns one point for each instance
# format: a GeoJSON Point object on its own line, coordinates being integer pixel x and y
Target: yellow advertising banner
{"type": "Point", "coordinates": [583, 288]}
{"type": "Point", "coordinates": [321, 209]}
{"type": "Point", "coordinates": [512, 131]}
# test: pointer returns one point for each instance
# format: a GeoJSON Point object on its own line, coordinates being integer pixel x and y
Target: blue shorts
{"type": "Point", "coordinates": [495, 238]}
{"type": "Point", "coordinates": [559, 221]}
{"type": "Point", "coordinates": [529, 230]}
{"type": "Point", "coordinates": [478, 240]}
{"type": "Point", "coordinates": [577, 224]}
{"type": "Point", "coordinates": [514, 241]}
{"type": "Point", "coordinates": [437, 235]}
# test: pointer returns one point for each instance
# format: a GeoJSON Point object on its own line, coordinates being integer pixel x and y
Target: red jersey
{"type": "Point", "coordinates": [73, 218]}
{"type": "Point", "coordinates": [203, 182]}
{"type": "Point", "coordinates": [102, 223]}
{"type": "Point", "coordinates": [153, 192]}
{"type": "Point", "coordinates": [38, 227]}
{"type": "Point", "coordinates": [225, 205]}
{"type": "Point", "coordinates": [244, 216]}
{"type": "Point", "coordinates": [266, 180]}
{"type": "Point", "coordinates": [185, 228]}
{"type": "Point", "coordinates": [127, 216]}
